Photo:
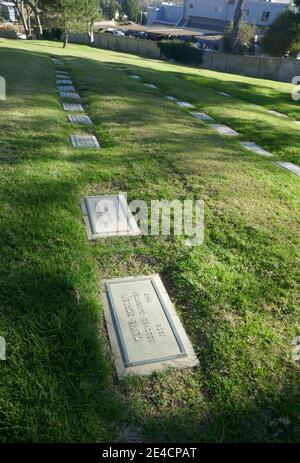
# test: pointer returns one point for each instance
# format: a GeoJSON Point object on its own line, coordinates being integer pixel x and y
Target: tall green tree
{"type": "Point", "coordinates": [283, 35]}
{"type": "Point", "coordinates": [131, 8]}
{"type": "Point", "coordinates": [72, 15]}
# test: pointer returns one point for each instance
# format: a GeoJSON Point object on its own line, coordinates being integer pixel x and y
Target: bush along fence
{"type": "Point", "coordinates": [279, 69]}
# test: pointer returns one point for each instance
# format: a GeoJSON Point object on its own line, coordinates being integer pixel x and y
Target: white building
{"type": "Point", "coordinates": [8, 11]}
{"type": "Point", "coordinates": [215, 14]}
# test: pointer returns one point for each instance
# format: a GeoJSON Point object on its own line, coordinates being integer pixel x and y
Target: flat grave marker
{"type": "Point", "coordinates": [277, 114]}
{"type": "Point", "coordinates": [171, 98]}
{"type": "Point", "coordinates": [73, 107]}
{"type": "Point", "coordinates": [64, 82]}
{"type": "Point", "coordinates": [256, 149]}
{"type": "Point", "coordinates": [224, 130]}
{"type": "Point", "coordinates": [72, 96]}
{"type": "Point", "coordinates": [80, 120]}
{"type": "Point", "coordinates": [289, 166]}
{"type": "Point", "coordinates": [225, 94]}
{"type": "Point", "coordinates": [201, 116]}
{"type": "Point", "coordinates": [145, 333]}
{"type": "Point", "coordinates": [134, 77]}
{"type": "Point", "coordinates": [85, 141]}
{"type": "Point", "coordinates": [66, 88]}
{"type": "Point", "coordinates": [151, 86]}
{"type": "Point", "coordinates": [107, 216]}
{"type": "Point", "coordinates": [184, 104]}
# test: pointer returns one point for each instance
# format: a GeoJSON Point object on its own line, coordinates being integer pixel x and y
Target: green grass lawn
{"type": "Point", "coordinates": [237, 294]}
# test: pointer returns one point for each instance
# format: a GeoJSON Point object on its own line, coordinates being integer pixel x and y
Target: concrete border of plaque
{"type": "Point", "coordinates": [144, 330]}
{"type": "Point", "coordinates": [254, 148]}
{"type": "Point", "coordinates": [289, 166]}
{"type": "Point", "coordinates": [224, 130]}
{"type": "Point", "coordinates": [108, 215]}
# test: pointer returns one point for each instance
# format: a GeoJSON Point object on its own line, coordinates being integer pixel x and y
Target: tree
{"type": "Point", "coordinates": [24, 13]}
{"type": "Point", "coordinates": [131, 8]}
{"type": "Point", "coordinates": [244, 40]}
{"type": "Point", "coordinates": [72, 15]}
{"type": "Point", "coordinates": [283, 35]}
{"type": "Point", "coordinates": [237, 21]}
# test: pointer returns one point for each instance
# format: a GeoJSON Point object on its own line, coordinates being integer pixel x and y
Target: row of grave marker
{"type": "Point", "coordinates": [67, 91]}
{"type": "Point", "coordinates": [144, 330]}
{"type": "Point", "coordinates": [224, 130]}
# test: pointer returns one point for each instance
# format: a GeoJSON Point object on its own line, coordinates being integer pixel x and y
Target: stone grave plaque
{"type": "Point", "coordinates": [62, 73]}
{"type": "Point", "coordinates": [289, 166]}
{"type": "Point", "coordinates": [184, 104]}
{"type": "Point", "coordinates": [73, 107]}
{"type": "Point", "coordinates": [276, 113]}
{"type": "Point", "coordinates": [134, 77]}
{"type": "Point", "coordinates": [225, 94]}
{"type": "Point", "coordinates": [80, 120]}
{"type": "Point", "coordinates": [297, 122]}
{"type": "Point", "coordinates": [65, 88]}
{"type": "Point", "coordinates": [202, 116]}
{"type": "Point", "coordinates": [85, 141]}
{"type": "Point", "coordinates": [256, 149]}
{"type": "Point", "coordinates": [144, 330]}
{"type": "Point", "coordinates": [151, 86]}
{"type": "Point", "coordinates": [72, 96]}
{"type": "Point", "coordinates": [64, 82]}
{"type": "Point", "coordinates": [108, 216]}
{"type": "Point", "coordinates": [171, 98]}
{"type": "Point", "coordinates": [224, 130]}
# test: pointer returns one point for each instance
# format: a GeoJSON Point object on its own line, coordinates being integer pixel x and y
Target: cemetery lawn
{"type": "Point", "coordinates": [237, 294]}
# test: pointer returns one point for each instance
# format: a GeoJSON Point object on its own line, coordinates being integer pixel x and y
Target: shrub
{"type": "Point", "coordinates": [183, 52]}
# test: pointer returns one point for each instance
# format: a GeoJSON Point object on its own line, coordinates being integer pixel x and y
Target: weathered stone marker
{"type": "Point", "coordinates": [72, 96]}
{"type": "Point", "coordinates": [64, 82]}
{"type": "Point", "coordinates": [85, 141]}
{"type": "Point", "coordinates": [289, 166]}
{"type": "Point", "coordinates": [224, 130]}
{"type": "Point", "coordinates": [80, 120]}
{"type": "Point", "coordinates": [276, 113]}
{"type": "Point", "coordinates": [201, 116]}
{"type": "Point", "coordinates": [184, 104]}
{"type": "Point", "coordinates": [144, 330]}
{"type": "Point", "coordinates": [255, 148]}
{"type": "Point", "coordinates": [108, 216]}
{"type": "Point", "coordinates": [73, 107]}
{"type": "Point", "coordinates": [151, 86]}
{"type": "Point", "coordinates": [224, 94]}
{"type": "Point", "coordinates": [66, 88]}
{"type": "Point", "coordinates": [134, 77]}
{"type": "Point", "coordinates": [171, 98]}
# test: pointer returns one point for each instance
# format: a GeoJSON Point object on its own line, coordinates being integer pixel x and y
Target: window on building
{"type": "Point", "coordinates": [265, 16]}
{"type": "Point", "coordinates": [191, 6]}
{"type": "Point", "coordinates": [218, 9]}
